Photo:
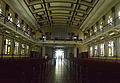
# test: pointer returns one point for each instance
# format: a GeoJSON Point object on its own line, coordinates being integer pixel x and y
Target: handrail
{"type": "Point", "coordinates": [104, 27]}
{"type": "Point", "coordinates": [13, 24]}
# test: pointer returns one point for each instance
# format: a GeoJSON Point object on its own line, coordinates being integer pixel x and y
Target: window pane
{"type": "Point", "coordinates": [96, 51]}
{"type": "Point", "coordinates": [102, 49]}
{"type": "Point", "coordinates": [91, 51]}
{"type": "Point", "coordinates": [111, 48]}
{"type": "Point", "coordinates": [16, 48]}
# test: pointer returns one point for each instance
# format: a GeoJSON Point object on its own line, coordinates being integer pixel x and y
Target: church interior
{"type": "Point", "coordinates": [59, 41]}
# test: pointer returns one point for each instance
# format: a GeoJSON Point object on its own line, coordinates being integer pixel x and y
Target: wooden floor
{"type": "Point", "coordinates": [60, 74]}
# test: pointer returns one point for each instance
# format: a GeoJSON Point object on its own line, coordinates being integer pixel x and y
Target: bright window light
{"type": "Point", "coordinates": [0, 11]}
{"type": "Point", "coordinates": [111, 48]}
{"type": "Point", "coordinates": [119, 14]}
{"type": "Point", "coordinates": [59, 54]}
{"type": "Point", "coordinates": [18, 23]}
{"type": "Point", "coordinates": [96, 50]}
{"type": "Point", "coordinates": [101, 26]}
{"type": "Point", "coordinates": [95, 30]}
{"type": "Point", "coordinates": [102, 52]}
{"type": "Point", "coordinates": [91, 51]}
{"type": "Point", "coordinates": [110, 20]}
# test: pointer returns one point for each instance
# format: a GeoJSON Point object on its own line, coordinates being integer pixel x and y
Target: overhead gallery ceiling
{"type": "Point", "coordinates": [56, 12]}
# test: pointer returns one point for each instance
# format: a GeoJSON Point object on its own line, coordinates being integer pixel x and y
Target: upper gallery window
{"type": "Point", "coordinates": [44, 37]}
{"type": "Point", "coordinates": [10, 17]}
{"type": "Point", "coordinates": [18, 23]}
{"type": "Point", "coordinates": [95, 29]}
{"type": "Point", "coordinates": [111, 48]}
{"type": "Point", "coordinates": [101, 26]}
{"type": "Point", "coordinates": [110, 20]}
{"type": "Point", "coordinates": [24, 28]}
{"type": "Point", "coordinates": [90, 32]}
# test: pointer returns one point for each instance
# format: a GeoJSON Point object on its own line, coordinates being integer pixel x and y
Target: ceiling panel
{"type": "Point", "coordinates": [60, 11]}
{"type": "Point", "coordinates": [83, 7]}
{"type": "Point", "coordinates": [37, 6]}
{"type": "Point", "coordinates": [59, 17]}
{"type": "Point", "coordinates": [69, 12]}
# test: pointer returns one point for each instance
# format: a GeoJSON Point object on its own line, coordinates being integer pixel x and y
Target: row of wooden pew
{"type": "Point", "coordinates": [24, 70]}
{"type": "Point", "coordinates": [95, 71]}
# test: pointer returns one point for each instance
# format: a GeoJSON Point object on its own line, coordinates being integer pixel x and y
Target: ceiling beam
{"type": "Point", "coordinates": [76, 6]}
{"type": "Point", "coordinates": [46, 12]}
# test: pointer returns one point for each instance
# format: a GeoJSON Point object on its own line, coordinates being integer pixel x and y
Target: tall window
{"type": "Point", "coordinates": [7, 46]}
{"type": "Point", "coordinates": [110, 20]}
{"type": "Point", "coordinates": [23, 49]}
{"type": "Point", "coordinates": [91, 51]}
{"type": "Point", "coordinates": [10, 17]}
{"type": "Point", "coordinates": [16, 48]}
{"type": "Point", "coordinates": [102, 52]}
{"type": "Point", "coordinates": [95, 29]}
{"type": "Point", "coordinates": [111, 48]}
{"type": "Point", "coordinates": [96, 50]}
{"type": "Point", "coordinates": [101, 26]}
{"type": "Point", "coordinates": [27, 49]}
{"type": "Point", "coordinates": [0, 11]}
{"type": "Point", "coordinates": [119, 14]}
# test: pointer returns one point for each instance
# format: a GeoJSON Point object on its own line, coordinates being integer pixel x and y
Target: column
{"type": "Point", "coordinates": [19, 51]}
{"type": "Point", "coordinates": [106, 49]}
{"type": "Point", "coordinates": [12, 47]}
{"type": "Point", "coordinates": [118, 48]}
{"type": "Point", "coordinates": [75, 52]}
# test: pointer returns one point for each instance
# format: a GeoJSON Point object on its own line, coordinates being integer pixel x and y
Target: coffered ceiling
{"type": "Point", "coordinates": [57, 12]}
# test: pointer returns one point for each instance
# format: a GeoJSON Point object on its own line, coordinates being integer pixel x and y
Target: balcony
{"type": "Point", "coordinates": [13, 27]}
{"type": "Point", "coordinates": [110, 29]}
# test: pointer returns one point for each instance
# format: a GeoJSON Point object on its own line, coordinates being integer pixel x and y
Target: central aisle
{"type": "Point", "coordinates": [60, 73]}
